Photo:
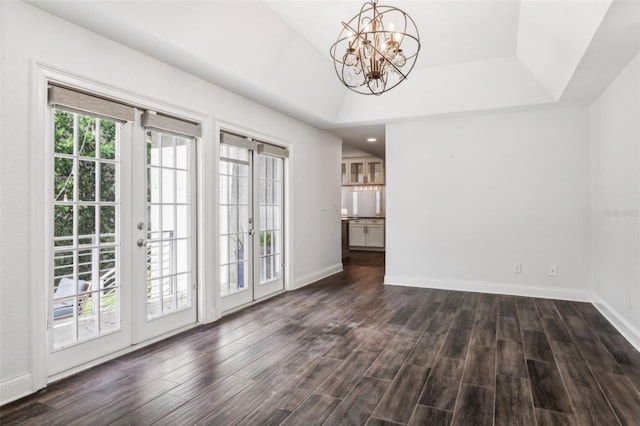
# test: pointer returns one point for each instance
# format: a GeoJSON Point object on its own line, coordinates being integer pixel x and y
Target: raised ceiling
{"type": "Point", "coordinates": [473, 30]}
{"type": "Point", "coordinates": [476, 55]}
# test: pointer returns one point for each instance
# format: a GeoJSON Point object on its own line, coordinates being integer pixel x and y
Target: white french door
{"type": "Point", "coordinates": [251, 222]}
{"type": "Point", "coordinates": [165, 264]}
{"type": "Point", "coordinates": [122, 228]}
{"type": "Point", "coordinates": [91, 262]}
{"type": "Point", "coordinates": [268, 246]}
{"type": "Point", "coordinates": [236, 226]}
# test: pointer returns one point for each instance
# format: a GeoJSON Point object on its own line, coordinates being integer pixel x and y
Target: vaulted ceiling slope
{"type": "Point", "coordinates": [476, 55]}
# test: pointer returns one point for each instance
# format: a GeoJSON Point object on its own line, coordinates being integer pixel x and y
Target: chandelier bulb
{"type": "Point", "coordinates": [400, 60]}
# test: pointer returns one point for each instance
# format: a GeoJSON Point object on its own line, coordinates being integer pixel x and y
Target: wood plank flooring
{"type": "Point", "coordinates": [349, 351]}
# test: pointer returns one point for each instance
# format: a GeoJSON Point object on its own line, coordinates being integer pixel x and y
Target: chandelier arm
{"type": "Point", "coordinates": [404, 30]}
{"type": "Point", "coordinates": [369, 6]}
{"type": "Point", "coordinates": [380, 53]}
{"type": "Point", "coordinates": [341, 77]}
{"type": "Point", "coordinates": [355, 33]}
{"type": "Point", "coordinates": [416, 37]}
{"type": "Point", "coordinates": [389, 62]}
{"type": "Point", "coordinates": [400, 81]}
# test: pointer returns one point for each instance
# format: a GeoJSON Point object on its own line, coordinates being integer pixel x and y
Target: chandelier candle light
{"type": "Point", "coordinates": [376, 49]}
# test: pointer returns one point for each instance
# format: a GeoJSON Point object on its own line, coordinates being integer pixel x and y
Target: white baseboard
{"type": "Point", "coordinates": [628, 331]}
{"type": "Point", "coordinates": [491, 287]}
{"type": "Point", "coordinates": [15, 388]}
{"type": "Point", "coordinates": [318, 275]}
{"type": "Point", "coordinates": [631, 333]}
{"type": "Point", "coordinates": [22, 385]}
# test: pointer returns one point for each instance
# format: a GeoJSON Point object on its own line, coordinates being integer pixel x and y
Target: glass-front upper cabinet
{"type": "Point", "coordinates": [375, 171]}
{"type": "Point", "coordinates": [357, 172]}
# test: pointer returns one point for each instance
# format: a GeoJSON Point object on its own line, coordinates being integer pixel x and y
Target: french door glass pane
{"type": "Point", "coordinates": [234, 219]}
{"type": "Point", "coordinates": [86, 287]}
{"type": "Point", "coordinates": [169, 266]}
{"type": "Point", "coordinates": [270, 183]}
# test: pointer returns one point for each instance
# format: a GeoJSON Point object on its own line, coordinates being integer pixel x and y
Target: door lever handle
{"type": "Point", "coordinates": [141, 242]}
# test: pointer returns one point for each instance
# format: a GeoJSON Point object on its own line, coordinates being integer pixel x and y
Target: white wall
{"type": "Point", "coordinates": [27, 34]}
{"type": "Point", "coordinates": [615, 151]}
{"type": "Point", "coordinates": [468, 197]}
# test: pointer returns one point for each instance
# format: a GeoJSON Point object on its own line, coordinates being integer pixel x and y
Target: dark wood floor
{"type": "Point", "coordinates": [348, 350]}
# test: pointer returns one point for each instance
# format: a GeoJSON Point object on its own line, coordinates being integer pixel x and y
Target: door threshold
{"type": "Point", "coordinates": [134, 347]}
{"type": "Point", "coordinates": [254, 302]}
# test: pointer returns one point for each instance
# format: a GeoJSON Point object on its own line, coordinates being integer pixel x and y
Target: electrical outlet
{"type": "Point", "coordinates": [553, 271]}
{"type": "Point", "coordinates": [517, 268]}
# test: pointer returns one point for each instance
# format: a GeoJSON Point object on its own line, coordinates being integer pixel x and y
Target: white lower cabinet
{"type": "Point", "coordinates": [375, 235]}
{"type": "Point", "coordinates": [357, 233]}
{"type": "Point", "coordinates": [366, 233]}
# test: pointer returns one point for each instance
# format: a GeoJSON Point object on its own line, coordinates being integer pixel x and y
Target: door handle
{"type": "Point", "coordinates": [252, 232]}
{"type": "Point", "coordinates": [141, 242]}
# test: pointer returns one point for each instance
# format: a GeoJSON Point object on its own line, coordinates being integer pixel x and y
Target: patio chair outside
{"type": "Point", "coordinates": [65, 289]}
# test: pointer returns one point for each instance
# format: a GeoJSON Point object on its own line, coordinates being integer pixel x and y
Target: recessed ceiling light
{"type": "Point", "coordinates": [371, 139]}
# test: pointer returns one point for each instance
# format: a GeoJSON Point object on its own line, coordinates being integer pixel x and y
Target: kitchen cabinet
{"type": "Point", "coordinates": [375, 172]}
{"type": "Point", "coordinates": [366, 233]}
{"type": "Point", "coordinates": [357, 233]}
{"type": "Point", "coordinates": [359, 171]}
{"type": "Point", "coordinates": [375, 233]}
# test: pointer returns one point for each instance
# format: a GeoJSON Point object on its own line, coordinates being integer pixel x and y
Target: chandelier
{"type": "Point", "coordinates": [376, 49]}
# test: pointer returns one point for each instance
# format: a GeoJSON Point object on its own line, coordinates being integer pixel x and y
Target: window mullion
{"type": "Point", "coordinates": [95, 276]}
{"type": "Point", "coordinates": [76, 220]}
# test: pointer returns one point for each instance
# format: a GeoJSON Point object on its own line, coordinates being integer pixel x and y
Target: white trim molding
{"type": "Point", "coordinates": [16, 387]}
{"type": "Point", "coordinates": [628, 331]}
{"type": "Point", "coordinates": [318, 275]}
{"type": "Point", "coordinates": [510, 289]}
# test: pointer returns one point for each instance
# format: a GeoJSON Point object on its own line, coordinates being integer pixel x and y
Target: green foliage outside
{"type": "Point", "coordinates": [109, 300]}
{"type": "Point", "coordinates": [265, 236]}
{"type": "Point", "coordinates": [88, 167]}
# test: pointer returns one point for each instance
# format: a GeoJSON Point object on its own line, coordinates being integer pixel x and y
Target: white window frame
{"type": "Point", "coordinates": [41, 75]}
